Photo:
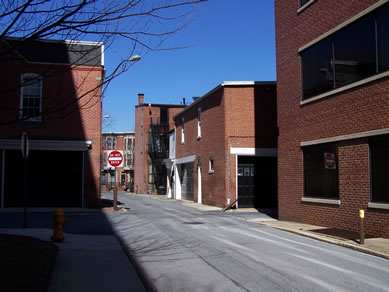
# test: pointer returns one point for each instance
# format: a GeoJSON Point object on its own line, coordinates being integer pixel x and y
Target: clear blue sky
{"type": "Point", "coordinates": [232, 41]}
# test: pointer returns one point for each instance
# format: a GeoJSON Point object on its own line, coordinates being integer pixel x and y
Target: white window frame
{"type": "Point", "coordinates": [125, 160]}
{"type": "Point", "coordinates": [108, 143]}
{"type": "Point", "coordinates": [199, 123]}
{"type": "Point", "coordinates": [211, 165]}
{"type": "Point", "coordinates": [22, 87]}
{"type": "Point", "coordinates": [182, 130]}
{"type": "Point", "coordinates": [129, 143]}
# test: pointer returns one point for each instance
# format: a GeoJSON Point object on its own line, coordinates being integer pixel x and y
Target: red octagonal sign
{"type": "Point", "coordinates": [115, 158]}
{"type": "Point", "coordinates": [329, 161]}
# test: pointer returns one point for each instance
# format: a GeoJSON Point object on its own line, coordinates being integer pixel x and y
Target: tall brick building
{"type": "Point", "coordinates": [125, 142]}
{"type": "Point", "coordinates": [226, 146]}
{"type": "Point", "coordinates": [50, 90]}
{"type": "Point", "coordinates": [152, 125]}
{"type": "Point", "coordinates": [333, 105]}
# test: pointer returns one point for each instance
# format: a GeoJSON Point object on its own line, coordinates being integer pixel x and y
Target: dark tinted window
{"type": "Point", "coordinates": [163, 115]}
{"type": "Point", "coordinates": [317, 69]}
{"type": "Point", "coordinates": [321, 171]}
{"type": "Point", "coordinates": [355, 54]}
{"type": "Point", "coordinates": [349, 55]}
{"type": "Point", "coordinates": [379, 151]}
{"type": "Point", "coordinates": [303, 2]}
{"type": "Point", "coordinates": [383, 38]}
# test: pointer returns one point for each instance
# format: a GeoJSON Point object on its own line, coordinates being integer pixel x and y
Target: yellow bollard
{"type": "Point", "coordinates": [59, 222]}
{"type": "Point", "coordinates": [362, 227]}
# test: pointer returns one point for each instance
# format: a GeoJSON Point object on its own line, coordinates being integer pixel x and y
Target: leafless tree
{"type": "Point", "coordinates": [138, 25]}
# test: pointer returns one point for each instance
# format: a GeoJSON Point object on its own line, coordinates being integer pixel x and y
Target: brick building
{"type": "Point", "coordinates": [226, 146]}
{"type": "Point", "coordinates": [152, 125]}
{"type": "Point", "coordinates": [333, 105]}
{"type": "Point", "coordinates": [122, 141]}
{"type": "Point", "coordinates": [50, 90]}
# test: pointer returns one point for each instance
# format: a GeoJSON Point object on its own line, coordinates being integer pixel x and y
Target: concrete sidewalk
{"type": "Point", "coordinates": [374, 246]}
{"type": "Point", "coordinates": [87, 263]}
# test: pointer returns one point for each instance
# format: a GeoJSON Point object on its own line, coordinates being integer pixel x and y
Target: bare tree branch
{"type": "Point", "coordinates": [141, 25]}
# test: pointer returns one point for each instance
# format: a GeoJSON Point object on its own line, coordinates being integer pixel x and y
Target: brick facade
{"type": "Point", "coordinates": [70, 118]}
{"type": "Point", "coordinates": [233, 115]}
{"type": "Point", "coordinates": [124, 142]}
{"type": "Point", "coordinates": [147, 114]}
{"type": "Point", "coordinates": [357, 110]}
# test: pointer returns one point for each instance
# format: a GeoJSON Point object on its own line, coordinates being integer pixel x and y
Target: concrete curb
{"type": "Point", "coordinates": [49, 210]}
{"type": "Point", "coordinates": [332, 241]}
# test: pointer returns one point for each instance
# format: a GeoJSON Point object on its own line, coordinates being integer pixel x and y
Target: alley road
{"type": "Point", "coordinates": [185, 249]}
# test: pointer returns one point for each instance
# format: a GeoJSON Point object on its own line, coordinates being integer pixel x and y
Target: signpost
{"type": "Point", "coordinates": [115, 159]}
{"type": "Point", "coordinates": [25, 151]}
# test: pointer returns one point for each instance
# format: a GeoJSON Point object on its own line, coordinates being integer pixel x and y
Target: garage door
{"type": "Point", "coordinates": [187, 189]}
{"type": "Point", "coordinates": [257, 182]}
{"type": "Point", "coordinates": [54, 179]}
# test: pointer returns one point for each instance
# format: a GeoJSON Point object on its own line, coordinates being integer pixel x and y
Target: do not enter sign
{"type": "Point", "coordinates": [115, 158]}
{"type": "Point", "coordinates": [329, 161]}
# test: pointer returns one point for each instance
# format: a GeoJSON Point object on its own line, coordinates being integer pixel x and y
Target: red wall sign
{"type": "Point", "coordinates": [115, 158]}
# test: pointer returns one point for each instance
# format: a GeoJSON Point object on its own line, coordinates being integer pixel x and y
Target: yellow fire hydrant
{"type": "Point", "coordinates": [59, 222]}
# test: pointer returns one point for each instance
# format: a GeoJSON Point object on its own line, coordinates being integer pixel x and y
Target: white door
{"type": "Point", "coordinates": [199, 185]}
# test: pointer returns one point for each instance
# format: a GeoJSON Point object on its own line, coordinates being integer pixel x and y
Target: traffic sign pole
{"type": "Point", "coordinates": [115, 159]}
{"type": "Point", "coordinates": [115, 195]}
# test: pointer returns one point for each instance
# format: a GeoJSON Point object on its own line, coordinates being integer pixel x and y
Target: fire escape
{"type": "Point", "coordinates": [158, 151]}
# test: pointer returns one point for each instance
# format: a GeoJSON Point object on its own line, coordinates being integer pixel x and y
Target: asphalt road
{"type": "Point", "coordinates": [184, 249]}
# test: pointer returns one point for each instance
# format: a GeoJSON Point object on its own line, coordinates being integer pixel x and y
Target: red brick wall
{"type": "Point", "coordinates": [228, 119]}
{"type": "Point", "coordinates": [148, 115]}
{"type": "Point", "coordinates": [120, 145]}
{"type": "Point", "coordinates": [360, 109]}
{"type": "Point", "coordinates": [68, 118]}
{"type": "Point", "coordinates": [211, 144]}
{"type": "Point", "coordinates": [251, 122]}
{"type": "Point", "coordinates": [139, 154]}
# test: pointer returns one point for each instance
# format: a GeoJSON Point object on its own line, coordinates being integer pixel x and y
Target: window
{"type": "Point", "coordinates": [110, 143]}
{"type": "Point", "coordinates": [128, 159]}
{"type": "Point", "coordinates": [211, 165]}
{"type": "Point", "coordinates": [321, 171]}
{"type": "Point", "coordinates": [103, 179]}
{"type": "Point", "coordinates": [163, 115]}
{"type": "Point", "coordinates": [31, 97]}
{"type": "Point", "coordinates": [379, 157]}
{"type": "Point", "coordinates": [351, 54]}
{"type": "Point", "coordinates": [318, 74]}
{"type": "Point", "coordinates": [303, 2]}
{"type": "Point", "coordinates": [151, 174]}
{"type": "Point", "coordinates": [105, 160]}
{"type": "Point", "coordinates": [129, 144]}
{"type": "Point", "coordinates": [182, 131]}
{"type": "Point", "coordinates": [198, 123]}
{"type": "Point", "coordinates": [354, 52]}
{"type": "Point", "coordinates": [123, 178]}
{"type": "Point", "coordinates": [382, 38]}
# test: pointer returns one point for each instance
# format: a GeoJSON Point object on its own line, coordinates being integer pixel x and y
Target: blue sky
{"type": "Point", "coordinates": [230, 41]}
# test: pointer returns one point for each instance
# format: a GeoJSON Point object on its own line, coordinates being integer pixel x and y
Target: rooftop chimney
{"type": "Point", "coordinates": [141, 98]}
